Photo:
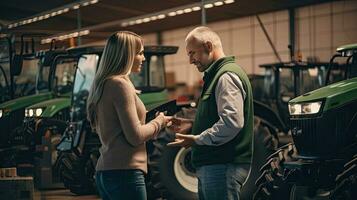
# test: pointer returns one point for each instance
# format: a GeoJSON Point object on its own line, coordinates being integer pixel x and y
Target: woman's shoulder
{"type": "Point", "coordinates": [118, 84]}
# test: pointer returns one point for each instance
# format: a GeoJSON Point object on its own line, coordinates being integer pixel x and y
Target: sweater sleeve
{"type": "Point", "coordinates": [125, 107]}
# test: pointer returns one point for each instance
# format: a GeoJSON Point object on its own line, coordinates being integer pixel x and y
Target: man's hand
{"type": "Point", "coordinates": [180, 125]}
{"type": "Point", "coordinates": [183, 140]}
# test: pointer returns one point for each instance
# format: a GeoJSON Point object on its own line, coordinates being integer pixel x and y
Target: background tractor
{"type": "Point", "coordinates": [321, 163]}
{"type": "Point", "coordinates": [50, 65]}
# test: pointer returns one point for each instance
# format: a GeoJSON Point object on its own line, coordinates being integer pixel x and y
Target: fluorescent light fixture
{"type": "Point", "coordinates": [139, 19]}
{"type": "Point", "coordinates": [228, 1]}
{"type": "Point", "coordinates": [161, 16]}
{"type": "Point", "coordinates": [51, 13]}
{"type": "Point", "coordinates": [173, 12]}
{"type": "Point", "coordinates": [196, 8]}
{"type": "Point", "coordinates": [179, 12]}
{"type": "Point", "coordinates": [65, 36]}
{"type": "Point", "coordinates": [187, 10]}
{"type": "Point", "coordinates": [218, 3]}
{"type": "Point", "coordinates": [209, 5]}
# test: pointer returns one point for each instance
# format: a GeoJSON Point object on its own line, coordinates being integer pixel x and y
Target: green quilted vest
{"type": "Point", "coordinates": [239, 149]}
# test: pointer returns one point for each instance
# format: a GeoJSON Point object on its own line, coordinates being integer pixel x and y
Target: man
{"type": "Point", "coordinates": [221, 134]}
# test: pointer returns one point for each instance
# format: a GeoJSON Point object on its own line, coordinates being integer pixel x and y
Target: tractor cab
{"type": "Point", "coordinates": [286, 80]}
{"type": "Point", "coordinates": [348, 67]}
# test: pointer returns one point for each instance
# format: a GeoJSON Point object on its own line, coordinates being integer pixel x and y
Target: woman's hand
{"type": "Point", "coordinates": [166, 120]}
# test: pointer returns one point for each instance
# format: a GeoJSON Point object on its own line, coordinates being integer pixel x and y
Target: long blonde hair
{"type": "Point", "coordinates": [117, 59]}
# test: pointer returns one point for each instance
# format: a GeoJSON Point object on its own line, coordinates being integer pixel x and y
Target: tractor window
{"type": "Point", "coordinates": [269, 85]}
{"type": "Point", "coordinates": [140, 80]}
{"type": "Point", "coordinates": [312, 79]}
{"type": "Point", "coordinates": [42, 79]}
{"type": "Point", "coordinates": [152, 75]}
{"type": "Point", "coordinates": [157, 72]}
{"type": "Point", "coordinates": [286, 84]}
{"type": "Point", "coordinates": [64, 75]}
{"type": "Point", "coordinates": [25, 83]}
{"type": "Point", "coordinates": [86, 69]}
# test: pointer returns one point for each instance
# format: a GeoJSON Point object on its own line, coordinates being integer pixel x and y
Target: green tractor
{"type": "Point", "coordinates": [322, 161]}
{"type": "Point", "coordinates": [281, 82]}
{"type": "Point", "coordinates": [13, 111]}
{"type": "Point", "coordinates": [79, 147]}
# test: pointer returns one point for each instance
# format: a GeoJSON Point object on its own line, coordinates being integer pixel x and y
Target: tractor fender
{"type": "Point", "coordinates": [269, 116]}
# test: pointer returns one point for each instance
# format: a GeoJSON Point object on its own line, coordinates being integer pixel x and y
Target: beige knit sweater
{"type": "Point", "coordinates": [121, 127]}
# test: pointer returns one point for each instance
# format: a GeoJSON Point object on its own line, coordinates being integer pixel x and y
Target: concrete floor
{"type": "Point", "coordinates": [61, 194]}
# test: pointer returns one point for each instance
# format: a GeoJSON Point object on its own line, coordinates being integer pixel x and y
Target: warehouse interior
{"type": "Point", "coordinates": [297, 55]}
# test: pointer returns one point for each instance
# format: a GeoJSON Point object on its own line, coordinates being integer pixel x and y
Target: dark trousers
{"type": "Point", "coordinates": [121, 184]}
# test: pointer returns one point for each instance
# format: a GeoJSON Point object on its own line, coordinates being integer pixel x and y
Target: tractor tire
{"type": "Point", "coordinates": [171, 174]}
{"type": "Point", "coordinates": [77, 171]}
{"type": "Point", "coordinates": [265, 143]}
{"type": "Point", "coordinates": [346, 182]}
{"type": "Point", "coordinates": [272, 184]}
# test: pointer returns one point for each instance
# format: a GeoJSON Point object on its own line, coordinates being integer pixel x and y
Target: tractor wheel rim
{"type": "Point", "coordinates": [184, 175]}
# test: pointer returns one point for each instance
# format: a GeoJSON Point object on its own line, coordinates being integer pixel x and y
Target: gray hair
{"type": "Point", "coordinates": [204, 34]}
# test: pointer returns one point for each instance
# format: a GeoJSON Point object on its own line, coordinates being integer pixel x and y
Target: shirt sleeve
{"type": "Point", "coordinates": [230, 95]}
{"type": "Point", "coordinates": [125, 107]}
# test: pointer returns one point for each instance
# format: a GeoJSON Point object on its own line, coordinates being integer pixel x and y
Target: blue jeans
{"type": "Point", "coordinates": [121, 184]}
{"type": "Point", "coordinates": [221, 181]}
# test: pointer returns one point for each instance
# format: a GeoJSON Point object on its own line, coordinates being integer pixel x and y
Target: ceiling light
{"type": "Point", "coordinates": [171, 14]}
{"type": "Point", "coordinates": [153, 18]}
{"type": "Point", "coordinates": [161, 16]}
{"type": "Point", "coordinates": [228, 1]}
{"type": "Point", "coordinates": [218, 3]}
{"type": "Point", "coordinates": [85, 4]}
{"type": "Point", "coordinates": [138, 21]}
{"type": "Point", "coordinates": [179, 12]}
{"type": "Point", "coordinates": [124, 24]}
{"type": "Point", "coordinates": [94, 1]}
{"type": "Point", "coordinates": [187, 10]}
{"type": "Point", "coordinates": [209, 5]}
{"type": "Point", "coordinates": [196, 8]}
{"type": "Point", "coordinates": [75, 7]}
{"type": "Point", "coordinates": [147, 19]}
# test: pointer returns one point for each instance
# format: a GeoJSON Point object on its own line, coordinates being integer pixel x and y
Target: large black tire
{"type": "Point", "coordinates": [77, 171]}
{"type": "Point", "coordinates": [272, 183]}
{"type": "Point", "coordinates": [265, 143]}
{"type": "Point", "coordinates": [346, 182]}
{"type": "Point", "coordinates": [171, 174]}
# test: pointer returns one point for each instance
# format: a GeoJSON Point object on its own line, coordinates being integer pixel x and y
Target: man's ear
{"type": "Point", "coordinates": [208, 46]}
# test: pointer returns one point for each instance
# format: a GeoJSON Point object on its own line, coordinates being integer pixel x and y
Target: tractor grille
{"type": "Point", "coordinates": [9, 123]}
{"type": "Point", "coordinates": [325, 135]}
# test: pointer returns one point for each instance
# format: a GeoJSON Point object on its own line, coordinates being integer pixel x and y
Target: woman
{"type": "Point", "coordinates": [118, 116]}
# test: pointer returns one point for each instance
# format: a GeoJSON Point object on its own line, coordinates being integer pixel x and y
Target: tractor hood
{"type": "Point", "coordinates": [22, 102]}
{"type": "Point", "coordinates": [52, 106]}
{"type": "Point", "coordinates": [333, 95]}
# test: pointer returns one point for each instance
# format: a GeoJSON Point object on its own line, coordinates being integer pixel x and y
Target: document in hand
{"type": "Point", "coordinates": [169, 108]}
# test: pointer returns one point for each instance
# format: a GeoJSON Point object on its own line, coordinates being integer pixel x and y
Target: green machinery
{"type": "Point", "coordinates": [321, 163]}
{"type": "Point", "coordinates": [46, 67]}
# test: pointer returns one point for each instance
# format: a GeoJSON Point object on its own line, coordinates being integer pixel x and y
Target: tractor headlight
{"type": "Point", "coordinates": [305, 108]}
{"type": "Point", "coordinates": [33, 112]}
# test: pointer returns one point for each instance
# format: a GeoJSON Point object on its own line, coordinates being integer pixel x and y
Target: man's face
{"type": "Point", "coordinates": [199, 54]}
